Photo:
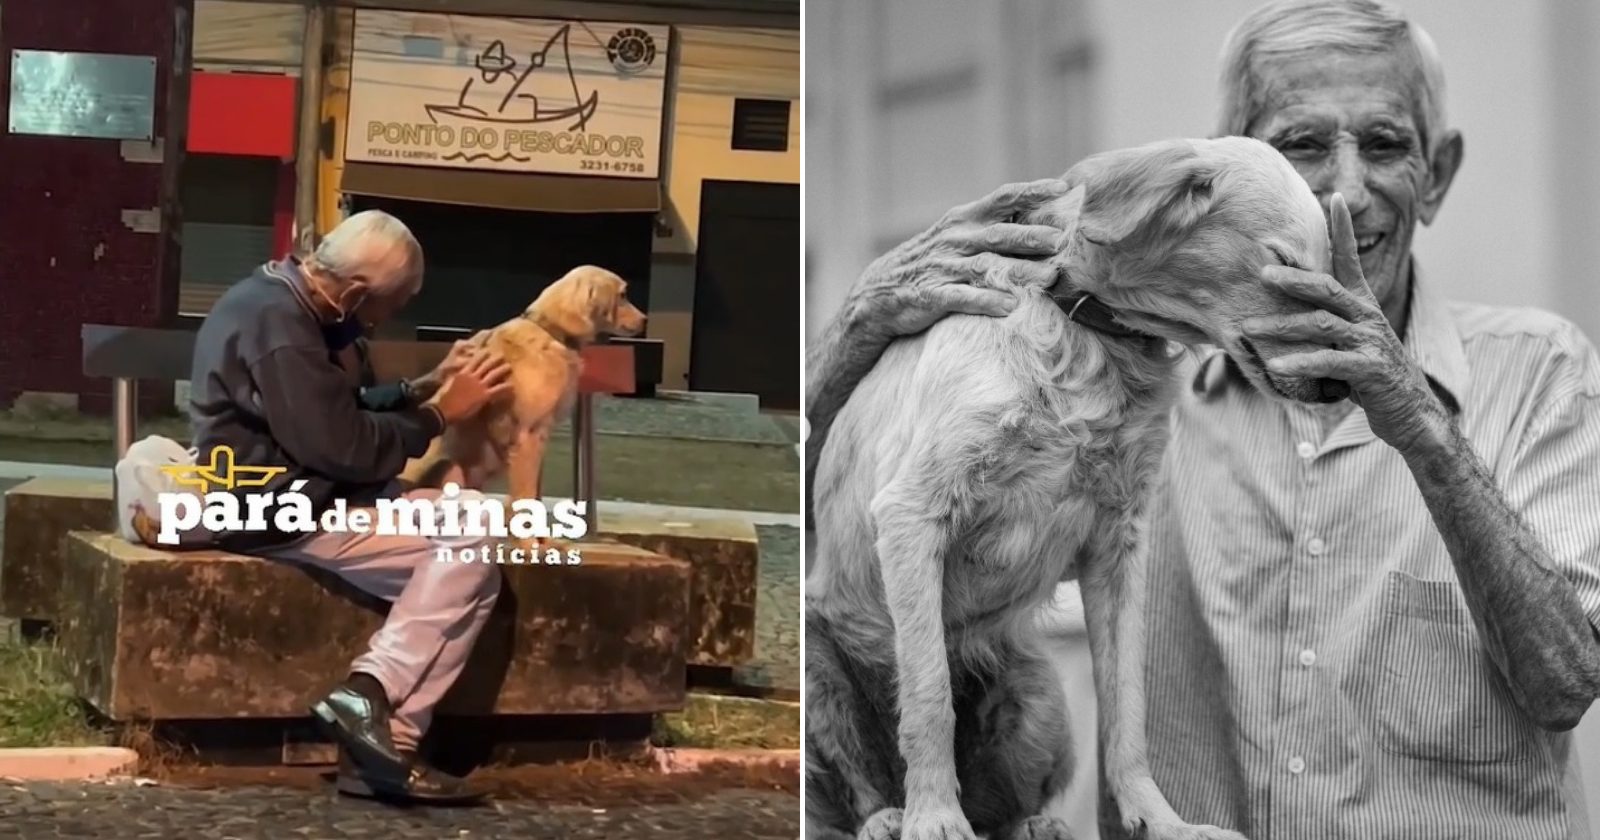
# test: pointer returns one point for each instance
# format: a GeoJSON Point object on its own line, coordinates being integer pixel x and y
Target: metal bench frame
{"type": "Point", "coordinates": [127, 354]}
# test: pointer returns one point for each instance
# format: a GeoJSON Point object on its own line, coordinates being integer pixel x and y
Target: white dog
{"type": "Point", "coordinates": [986, 460]}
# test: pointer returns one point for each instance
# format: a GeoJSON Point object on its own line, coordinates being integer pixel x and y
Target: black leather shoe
{"type": "Point", "coordinates": [360, 724]}
{"type": "Point", "coordinates": [411, 783]}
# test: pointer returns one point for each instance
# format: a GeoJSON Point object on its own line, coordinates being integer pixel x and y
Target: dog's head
{"type": "Point", "coordinates": [586, 302]}
{"type": "Point", "coordinates": [1174, 235]}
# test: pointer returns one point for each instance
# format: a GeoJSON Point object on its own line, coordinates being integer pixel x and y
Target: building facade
{"type": "Point", "coordinates": [695, 201]}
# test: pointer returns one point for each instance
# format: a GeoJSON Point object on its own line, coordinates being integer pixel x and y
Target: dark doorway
{"type": "Point", "coordinates": [485, 265]}
{"type": "Point", "coordinates": [746, 336]}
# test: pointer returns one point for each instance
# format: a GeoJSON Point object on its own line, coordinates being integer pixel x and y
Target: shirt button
{"type": "Point", "coordinates": [1297, 765]}
{"type": "Point", "coordinates": [1306, 449]}
{"type": "Point", "coordinates": [1315, 547]}
{"type": "Point", "coordinates": [1308, 657]}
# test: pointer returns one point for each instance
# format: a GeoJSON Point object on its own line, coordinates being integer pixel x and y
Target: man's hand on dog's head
{"type": "Point", "coordinates": [1362, 347]}
{"type": "Point", "coordinates": [966, 263]}
{"type": "Point", "coordinates": [481, 379]}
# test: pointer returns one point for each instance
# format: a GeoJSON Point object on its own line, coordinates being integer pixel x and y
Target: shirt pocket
{"type": "Point", "coordinates": [1438, 696]}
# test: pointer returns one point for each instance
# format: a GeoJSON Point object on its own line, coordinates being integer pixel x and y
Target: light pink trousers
{"type": "Point", "coordinates": [439, 608]}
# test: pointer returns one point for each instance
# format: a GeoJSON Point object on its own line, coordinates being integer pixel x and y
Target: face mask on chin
{"type": "Point", "coordinates": [343, 332]}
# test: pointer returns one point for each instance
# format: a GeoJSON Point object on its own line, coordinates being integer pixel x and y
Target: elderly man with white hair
{"type": "Point", "coordinates": [267, 382]}
{"type": "Point", "coordinates": [1371, 619]}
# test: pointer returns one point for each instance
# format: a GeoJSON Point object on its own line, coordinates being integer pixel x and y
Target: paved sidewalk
{"type": "Point", "coordinates": [41, 811]}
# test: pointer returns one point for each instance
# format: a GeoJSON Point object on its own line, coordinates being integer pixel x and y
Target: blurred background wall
{"type": "Point", "coordinates": [914, 106]}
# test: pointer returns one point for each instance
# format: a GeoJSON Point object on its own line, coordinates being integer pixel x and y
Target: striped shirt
{"type": "Point", "coordinates": [1314, 671]}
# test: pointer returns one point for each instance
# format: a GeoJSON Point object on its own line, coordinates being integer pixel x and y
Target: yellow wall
{"type": "Point", "coordinates": [715, 66]}
{"type": "Point", "coordinates": [250, 36]}
{"type": "Point", "coordinates": [335, 102]}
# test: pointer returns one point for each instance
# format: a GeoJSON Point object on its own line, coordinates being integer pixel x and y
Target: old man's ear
{"type": "Point", "coordinates": [1442, 170]}
{"type": "Point", "coordinates": [1140, 200]}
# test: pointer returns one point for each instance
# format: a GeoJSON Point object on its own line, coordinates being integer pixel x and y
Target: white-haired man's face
{"type": "Point", "coordinates": [378, 288]}
{"type": "Point", "coordinates": [1350, 124]}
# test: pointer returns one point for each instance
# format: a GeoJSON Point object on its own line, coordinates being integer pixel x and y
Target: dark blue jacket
{"type": "Point", "coordinates": [266, 382]}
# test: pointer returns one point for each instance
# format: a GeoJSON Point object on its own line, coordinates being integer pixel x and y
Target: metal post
{"type": "Point", "coordinates": [124, 405]}
{"type": "Point", "coordinates": [308, 152]}
{"type": "Point", "coordinates": [124, 408]}
{"type": "Point", "coordinates": [583, 458]}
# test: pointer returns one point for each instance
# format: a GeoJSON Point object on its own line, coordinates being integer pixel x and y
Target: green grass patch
{"type": "Point", "coordinates": [37, 707]}
{"type": "Point", "coordinates": [714, 722]}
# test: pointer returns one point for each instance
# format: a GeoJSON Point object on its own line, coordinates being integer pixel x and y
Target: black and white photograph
{"type": "Point", "coordinates": [1202, 420]}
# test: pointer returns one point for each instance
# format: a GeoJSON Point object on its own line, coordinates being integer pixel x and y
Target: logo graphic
{"type": "Point", "coordinates": [496, 69]}
{"type": "Point", "coordinates": [631, 51]}
{"type": "Point", "coordinates": [462, 524]}
{"type": "Point", "coordinates": [222, 472]}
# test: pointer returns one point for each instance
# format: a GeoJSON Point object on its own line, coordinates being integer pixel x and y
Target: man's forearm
{"type": "Point", "coordinates": [835, 365]}
{"type": "Point", "coordinates": [1526, 610]}
{"type": "Point", "coordinates": [388, 397]}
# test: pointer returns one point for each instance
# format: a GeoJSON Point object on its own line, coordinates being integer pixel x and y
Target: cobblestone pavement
{"type": "Point", "coordinates": [33, 811]}
{"type": "Point", "coordinates": [777, 654]}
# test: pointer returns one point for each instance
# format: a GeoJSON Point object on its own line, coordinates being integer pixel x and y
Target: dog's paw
{"type": "Point", "coordinates": [936, 824]}
{"type": "Point", "coordinates": [884, 825]}
{"type": "Point", "coordinates": [1040, 827]}
{"type": "Point", "coordinates": [1182, 831]}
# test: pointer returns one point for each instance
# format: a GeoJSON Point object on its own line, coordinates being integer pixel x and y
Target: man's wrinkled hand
{"type": "Point", "coordinates": [968, 262]}
{"type": "Point", "coordinates": [484, 378]}
{"type": "Point", "coordinates": [1363, 349]}
{"type": "Point", "coordinates": [461, 354]}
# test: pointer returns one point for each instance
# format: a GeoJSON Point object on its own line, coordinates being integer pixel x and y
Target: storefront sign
{"type": "Point", "coordinates": [514, 94]}
{"type": "Point", "coordinates": [82, 95]}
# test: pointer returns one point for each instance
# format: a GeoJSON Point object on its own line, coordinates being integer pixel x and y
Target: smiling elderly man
{"type": "Point", "coordinates": [1370, 619]}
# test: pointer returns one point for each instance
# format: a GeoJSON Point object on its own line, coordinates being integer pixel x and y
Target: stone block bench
{"type": "Point", "coordinates": [157, 635]}
{"type": "Point", "coordinates": [722, 556]}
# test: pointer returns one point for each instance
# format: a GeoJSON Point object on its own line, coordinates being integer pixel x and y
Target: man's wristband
{"type": "Point", "coordinates": [408, 392]}
{"type": "Point", "coordinates": [436, 413]}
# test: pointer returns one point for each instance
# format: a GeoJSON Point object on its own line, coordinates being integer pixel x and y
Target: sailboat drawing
{"type": "Point", "coordinates": [496, 70]}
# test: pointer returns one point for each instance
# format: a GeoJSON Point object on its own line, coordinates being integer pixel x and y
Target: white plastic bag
{"type": "Point", "coordinates": [140, 480]}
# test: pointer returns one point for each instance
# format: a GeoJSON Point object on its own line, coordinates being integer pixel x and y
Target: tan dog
{"type": "Point", "coordinates": [542, 346]}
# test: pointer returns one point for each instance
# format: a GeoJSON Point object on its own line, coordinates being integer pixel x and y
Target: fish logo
{"type": "Point", "coordinates": [222, 472]}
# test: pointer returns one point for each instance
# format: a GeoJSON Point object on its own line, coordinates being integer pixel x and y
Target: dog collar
{"type": "Point", "coordinates": [553, 331]}
{"type": "Point", "coordinates": [1090, 311]}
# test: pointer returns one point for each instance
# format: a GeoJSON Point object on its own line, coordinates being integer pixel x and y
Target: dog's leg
{"type": "Point", "coordinates": [850, 757]}
{"type": "Point", "coordinates": [524, 461]}
{"type": "Point", "coordinates": [523, 464]}
{"type": "Point", "coordinates": [431, 469]}
{"type": "Point", "coordinates": [913, 542]}
{"type": "Point", "coordinates": [1115, 599]}
{"type": "Point", "coordinates": [1015, 749]}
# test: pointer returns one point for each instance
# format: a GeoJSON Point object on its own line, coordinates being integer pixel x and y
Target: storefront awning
{"type": "Point", "coordinates": [506, 190]}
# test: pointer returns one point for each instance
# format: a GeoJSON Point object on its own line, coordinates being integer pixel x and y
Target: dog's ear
{"type": "Point", "coordinates": [568, 305]}
{"type": "Point", "coordinates": [1060, 213]}
{"type": "Point", "coordinates": [1143, 197]}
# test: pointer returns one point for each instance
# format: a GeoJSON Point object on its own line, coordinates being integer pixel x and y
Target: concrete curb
{"type": "Point", "coordinates": [692, 760]}
{"type": "Point", "coordinates": [67, 764]}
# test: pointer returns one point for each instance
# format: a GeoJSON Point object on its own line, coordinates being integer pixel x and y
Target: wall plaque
{"type": "Point", "coordinates": [69, 94]}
